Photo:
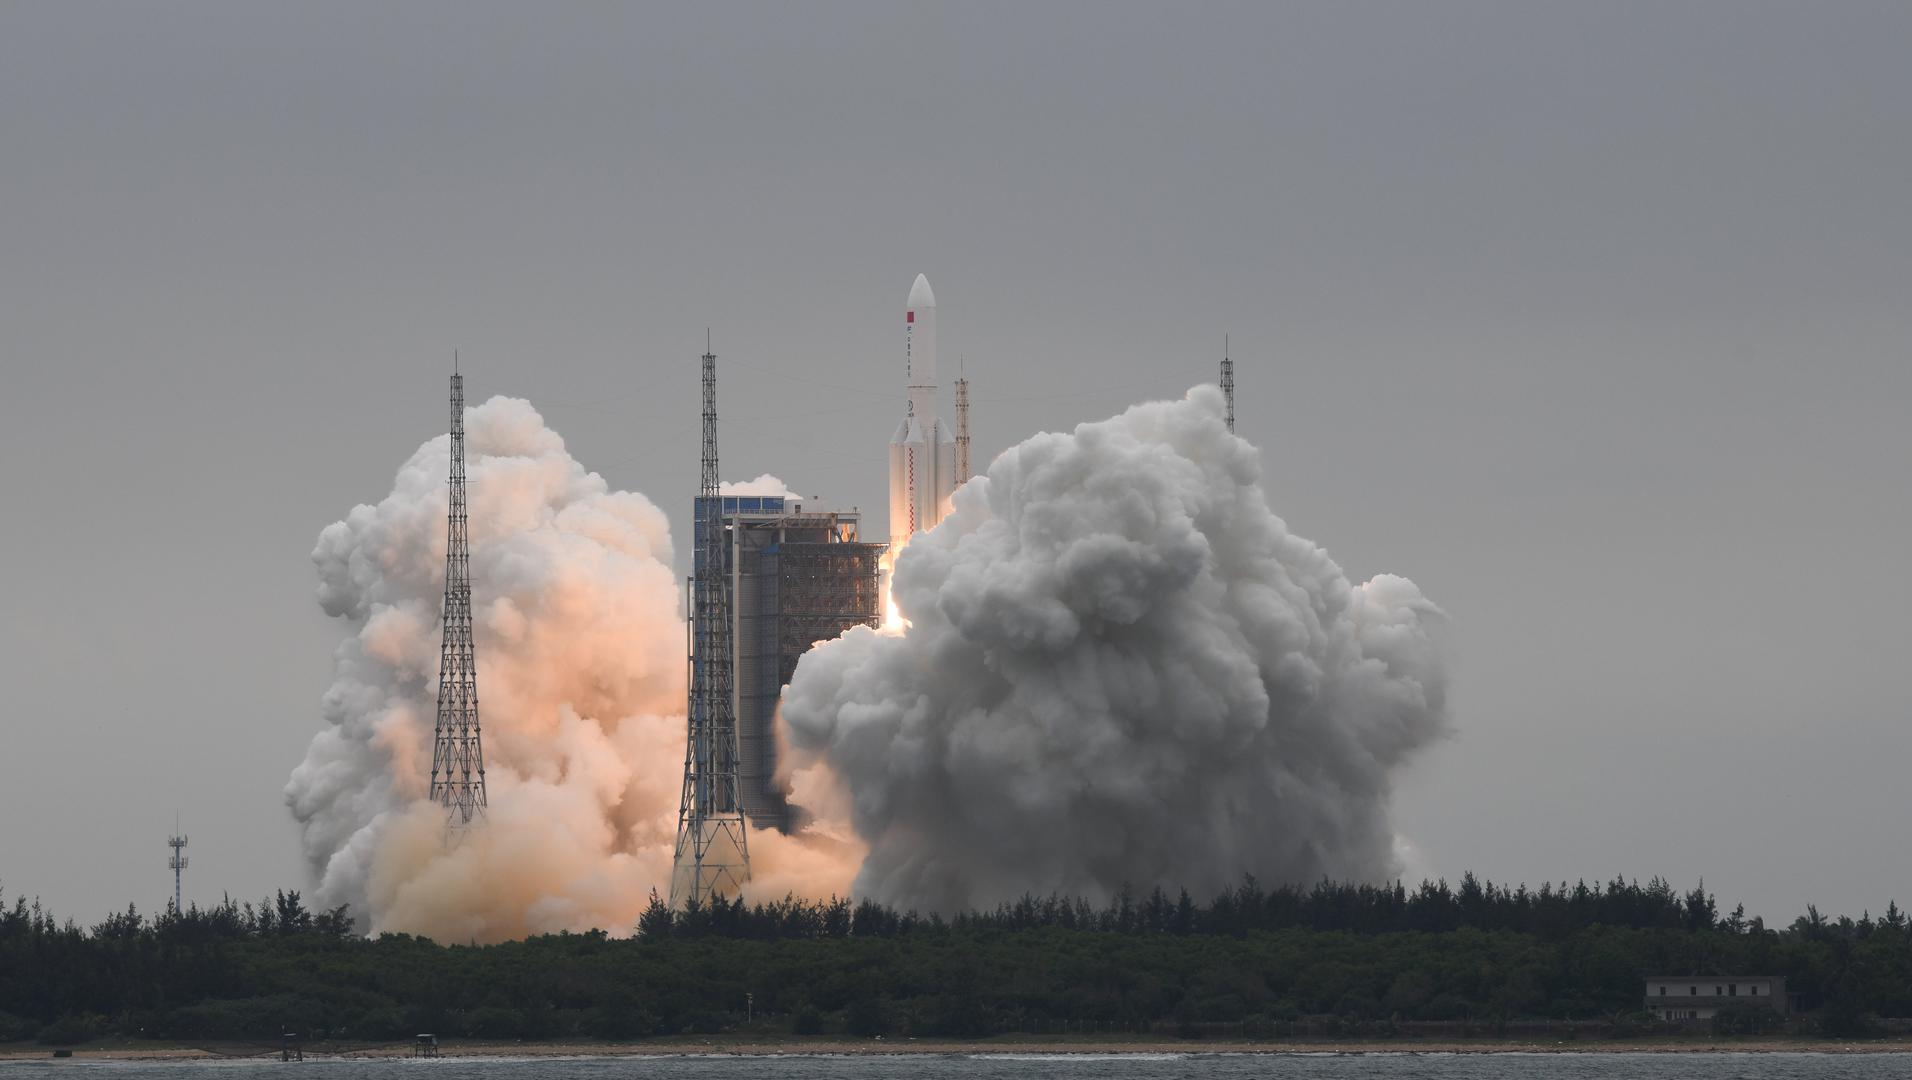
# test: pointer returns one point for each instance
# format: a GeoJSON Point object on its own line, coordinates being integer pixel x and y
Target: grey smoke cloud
{"type": "Point", "coordinates": [1120, 666]}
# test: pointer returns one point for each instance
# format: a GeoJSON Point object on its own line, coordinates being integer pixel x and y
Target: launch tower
{"type": "Point", "coordinates": [713, 853]}
{"type": "Point", "coordinates": [458, 756]}
{"type": "Point", "coordinates": [798, 575]}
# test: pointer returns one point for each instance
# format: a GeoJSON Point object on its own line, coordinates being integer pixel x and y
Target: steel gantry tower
{"type": "Point", "coordinates": [713, 853]}
{"type": "Point", "coordinates": [458, 755]}
{"type": "Point", "coordinates": [1228, 384]}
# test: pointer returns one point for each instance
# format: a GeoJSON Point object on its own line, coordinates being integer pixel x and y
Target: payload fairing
{"type": "Point", "coordinates": [923, 452]}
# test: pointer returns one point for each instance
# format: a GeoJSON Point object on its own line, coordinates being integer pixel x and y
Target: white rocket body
{"type": "Point", "coordinates": [923, 451]}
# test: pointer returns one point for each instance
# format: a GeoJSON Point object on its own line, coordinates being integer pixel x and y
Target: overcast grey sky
{"type": "Point", "coordinates": [1589, 318]}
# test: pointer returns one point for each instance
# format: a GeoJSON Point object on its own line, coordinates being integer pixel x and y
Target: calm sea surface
{"type": "Point", "coordinates": [1005, 1066]}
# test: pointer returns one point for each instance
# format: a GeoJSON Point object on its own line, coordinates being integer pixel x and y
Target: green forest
{"type": "Point", "coordinates": [1254, 962]}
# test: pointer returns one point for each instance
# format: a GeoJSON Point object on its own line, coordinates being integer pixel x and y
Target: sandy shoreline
{"type": "Point", "coordinates": [799, 1047]}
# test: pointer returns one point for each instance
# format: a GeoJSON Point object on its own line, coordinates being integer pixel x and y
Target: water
{"type": "Point", "coordinates": [1373, 1066]}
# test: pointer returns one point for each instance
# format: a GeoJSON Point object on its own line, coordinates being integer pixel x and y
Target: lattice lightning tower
{"type": "Point", "coordinates": [1228, 383]}
{"type": "Point", "coordinates": [962, 430]}
{"type": "Point", "coordinates": [458, 755]}
{"type": "Point", "coordinates": [713, 853]}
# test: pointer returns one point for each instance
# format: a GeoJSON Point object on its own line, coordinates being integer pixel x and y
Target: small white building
{"type": "Point", "coordinates": [1698, 997]}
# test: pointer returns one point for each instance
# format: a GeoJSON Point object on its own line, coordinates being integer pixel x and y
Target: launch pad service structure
{"type": "Point", "coordinates": [923, 451]}
{"type": "Point", "coordinates": [796, 576]}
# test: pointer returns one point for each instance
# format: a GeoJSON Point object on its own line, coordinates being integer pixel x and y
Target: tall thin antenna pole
{"type": "Point", "coordinates": [458, 756]}
{"type": "Point", "coordinates": [1228, 383]}
{"type": "Point", "coordinates": [177, 863]}
{"type": "Point", "coordinates": [712, 857]}
{"type": "Point", "coordinates": [962, 424]}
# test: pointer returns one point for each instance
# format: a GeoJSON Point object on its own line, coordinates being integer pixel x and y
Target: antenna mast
{"type": "Point", "coordinates": [458, 756]}
{"type": "Point", "coordinates": [177, 863]}
{"type": "Point", "coordinates": [1228, 383]}
{"type": "Point", "coordinates": [712, 858]}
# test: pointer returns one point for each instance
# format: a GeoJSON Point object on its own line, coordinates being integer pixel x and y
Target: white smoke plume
{"type": "Point", "coordinates": [580, 648]}
{"type": "Point", "coordinates": [1120, 667]}
{"type": "Point", "coordinates": [762, 485]}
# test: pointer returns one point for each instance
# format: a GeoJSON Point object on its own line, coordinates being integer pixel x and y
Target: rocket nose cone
{"type": "Point", "coordinates": [920, 296]}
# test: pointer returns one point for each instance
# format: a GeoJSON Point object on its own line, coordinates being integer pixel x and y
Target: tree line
{"type": "Point", "coordinates": [1360, 959]}
{"type": "Point", "coordinates": [1550, 911]}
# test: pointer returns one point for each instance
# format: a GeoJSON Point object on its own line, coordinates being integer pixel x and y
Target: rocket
{"type": "Point", "coordinates": [923, 452]}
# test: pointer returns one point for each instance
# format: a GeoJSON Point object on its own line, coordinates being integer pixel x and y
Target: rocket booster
{"type": "Point", "coordinates": [923, 452]}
